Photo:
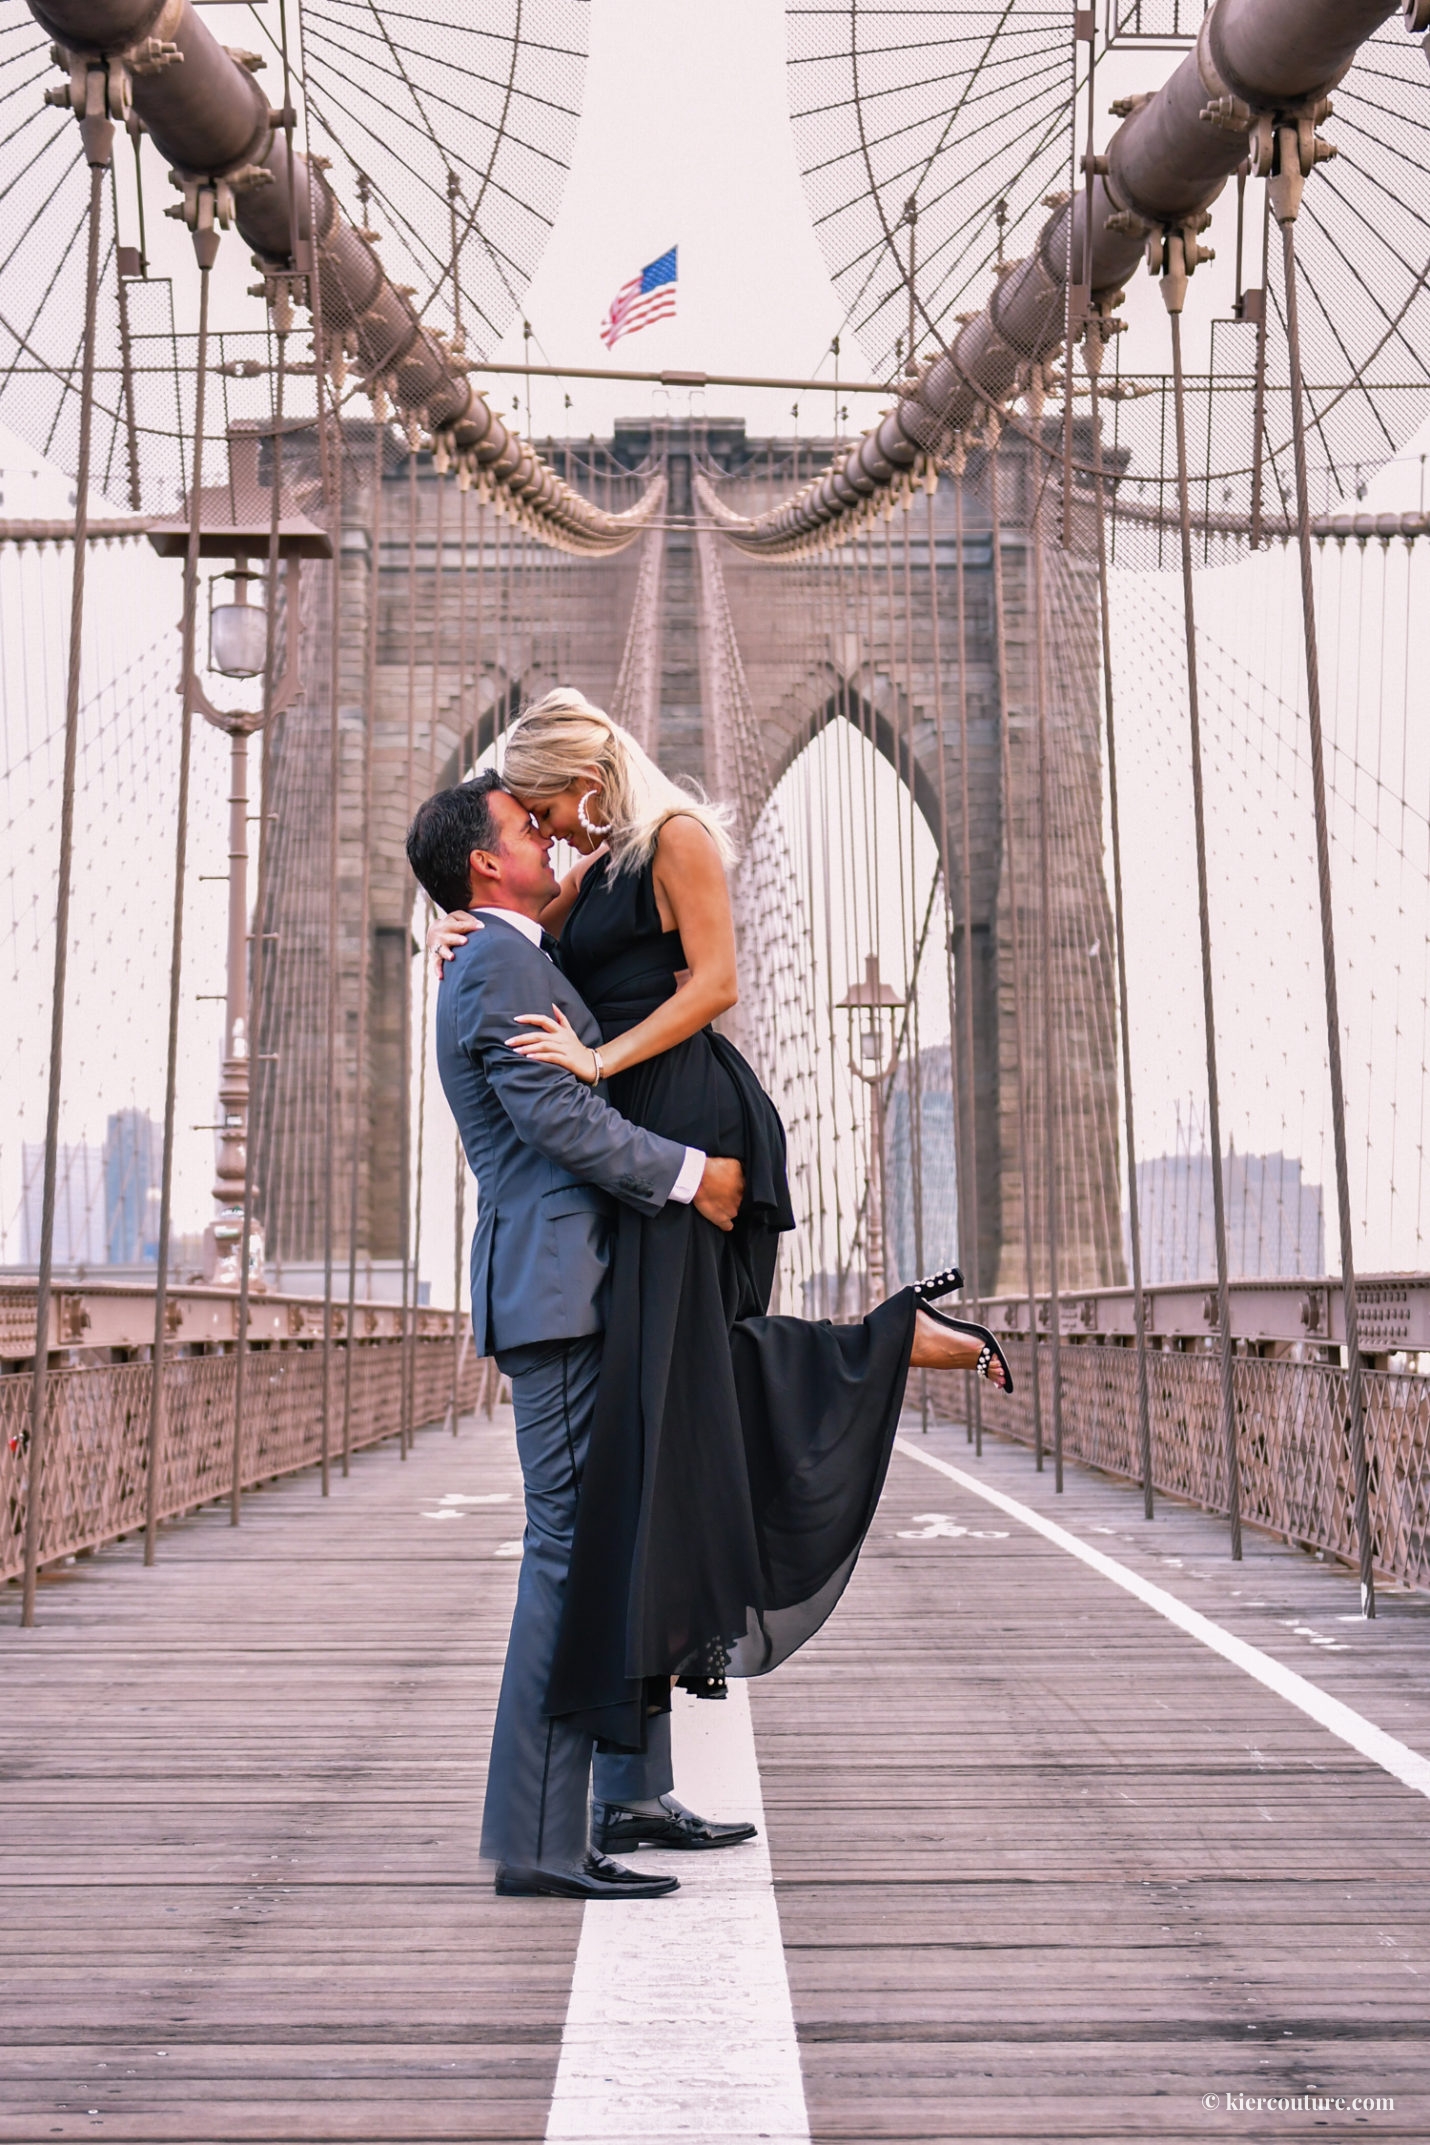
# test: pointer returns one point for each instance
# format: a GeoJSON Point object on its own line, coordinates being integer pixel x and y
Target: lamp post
{"type": "Point", "coordinates": [872, 1056]}
{"type": "Point", "coordinates": [236, 523]}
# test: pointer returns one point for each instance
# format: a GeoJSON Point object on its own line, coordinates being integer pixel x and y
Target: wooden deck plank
{"type": "Point", "coordinates": [1049, 1870]}
{"type": "Point", "coordinates": [246, 1789]}
{"type": "Point", "coordinates": [1046, 1868]}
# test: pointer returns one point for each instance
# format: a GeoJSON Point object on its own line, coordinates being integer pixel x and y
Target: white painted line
{"type": "Point", "coordinates": [679, 2025]}
{"type": "Point", "coordinates": [1395, 1758]}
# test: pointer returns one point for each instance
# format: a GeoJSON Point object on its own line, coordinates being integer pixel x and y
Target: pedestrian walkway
{"type": "Point", "coordinates": [1046, 1863]}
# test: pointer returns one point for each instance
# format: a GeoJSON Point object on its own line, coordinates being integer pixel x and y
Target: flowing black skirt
{"type": "Point", "coordinates": [736, 1458]}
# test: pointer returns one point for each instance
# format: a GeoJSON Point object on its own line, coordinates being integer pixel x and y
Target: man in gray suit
{"type": "Point", "coordinates": [550, 1156]}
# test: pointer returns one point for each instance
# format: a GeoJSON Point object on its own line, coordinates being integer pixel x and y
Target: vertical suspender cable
{"type": "Point", "coordinates": [330, 456]}
{"type": "Point", "coordinates": [364, 911]}
{"type": "Point", "coordinates": [330, 1009]}
{"type": "Point", "coordinates": [404, 1162]}
{"type": "Point", "coordinates": [1051, 1091]}
{"type": "Point", "coordinates": [477, 652]}
{"type": "Point", "coordinates": [1355, 1390]}
{"type": "Point", "coordinates": [98, 140]}
{"type": "Point", "coordinates": [280, 299]}
{"type": "Point", "coordinates": [1000, 634]}
{"type": "Point", "coordinates": [282, 314]}
{"type": "Point", "coordinates": [459, 1160]}
{"type": "Point", "coordinates": [1093, 349]}
{"type": "Point", "coordinates": [916, 1077]}
{"type": "Point", "coordinates": [1228, 1372]}
{"type": "Point", "coordinates": [421, 1142]}
{"type": "Point", "coordinates": [966, 996]}
{"type": "Point", "coordinates": [126, 358]}
{"type": "Point", "coordinates": [1258, 423]}
{"type": "Point", "coordinates": [960, 1003]}
{"type": "Point", "coordinates": [206, 247]}
{"type": "Point", "coordinates": [501, 574]}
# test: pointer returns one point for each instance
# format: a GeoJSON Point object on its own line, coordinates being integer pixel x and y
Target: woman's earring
{"type": "Point", "coordinates": [588, 825]}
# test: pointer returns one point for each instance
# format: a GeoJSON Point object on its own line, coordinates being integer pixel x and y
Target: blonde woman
{"type": "Point", "coordinates": [735, 1458]}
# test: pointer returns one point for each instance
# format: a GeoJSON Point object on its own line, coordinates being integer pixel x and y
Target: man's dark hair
{"type": "Point", "coordinates": [447, 828]}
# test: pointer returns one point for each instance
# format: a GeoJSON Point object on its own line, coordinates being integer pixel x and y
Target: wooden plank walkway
{"type": "Point", "coordinates": [242, 1794]}
{"type": "Point", "coordinates": [1046, 1867]}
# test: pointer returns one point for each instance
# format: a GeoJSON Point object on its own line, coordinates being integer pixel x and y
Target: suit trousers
{"type": "Point", "coordinates": [539, 1781]}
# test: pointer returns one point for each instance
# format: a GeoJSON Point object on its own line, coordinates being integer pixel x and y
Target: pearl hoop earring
{"type": "Point", "coordinates": [590, 826]}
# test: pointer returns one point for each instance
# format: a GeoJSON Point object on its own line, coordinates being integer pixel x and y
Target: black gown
{"type": "Point", "coordinates": [735, 1459]}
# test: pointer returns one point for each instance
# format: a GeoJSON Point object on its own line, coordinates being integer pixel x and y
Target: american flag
{"type": "Point", "coordinates": [647, 297]}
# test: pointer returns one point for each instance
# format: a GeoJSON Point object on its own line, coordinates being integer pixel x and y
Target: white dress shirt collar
{"type": "Point", "coordinates": [526, 925]}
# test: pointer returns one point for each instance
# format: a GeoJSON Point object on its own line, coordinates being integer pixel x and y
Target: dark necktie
{"type": "Point", "coordinates": [549, 946]}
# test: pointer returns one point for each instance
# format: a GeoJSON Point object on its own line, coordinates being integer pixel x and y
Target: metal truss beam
{"type": "Point", "coordinates": [207, 115]}
{"type": "Point", "coordinates": [1163, 168]}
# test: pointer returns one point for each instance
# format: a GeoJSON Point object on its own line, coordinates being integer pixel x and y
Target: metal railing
{"type": "Point", "coordinates": [1295, 1467]}
{"type": "Point", "coordinates": [94, 1479]}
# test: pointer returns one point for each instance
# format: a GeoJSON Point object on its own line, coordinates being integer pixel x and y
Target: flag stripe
{"type": "Point", "coordinates": [648, 297]}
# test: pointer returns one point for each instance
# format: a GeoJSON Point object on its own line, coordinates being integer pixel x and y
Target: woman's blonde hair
{"type": "Point", "coordinates": [562, 737]}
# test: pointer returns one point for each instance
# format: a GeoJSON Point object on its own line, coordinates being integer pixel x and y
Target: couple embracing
{"type": "Point", "coordinates": [699, 1475]}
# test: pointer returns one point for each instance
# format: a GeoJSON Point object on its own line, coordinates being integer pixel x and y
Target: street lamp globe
{"type": "Point", "coordinates": [238, 632]}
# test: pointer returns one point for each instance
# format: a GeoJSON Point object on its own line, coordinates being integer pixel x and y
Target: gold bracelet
{"type": "Point", "coordinates": [600, 1068]}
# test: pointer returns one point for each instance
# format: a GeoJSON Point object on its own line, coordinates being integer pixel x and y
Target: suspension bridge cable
{"type": "Point", "coordinates": [1225, 1342]}
{"type": "Point", "coordinates": [960, 1000]}
{"type": "Point", "coordinates": [404, 972]}
{"type": "Point", "coordinates": [428, 912]}
{"type": "Point", "coordinates": [281, 316]}
{"type": "Point", "coordinates": [1354, 1385]}
{"type": "Point", "coordinates": [993, 431]}
{"type": "Point", "coordinates": [364, 978]}
{"type": "Point", "coordinates": [459, 1160]}
{"type": "Point", "coordinates": [206, 246]}
{"type": "Point", "coordinates": [330, 996]}
{"type": "Point", "coordinates": [921, 1260]}
{"type": "Point", "coordinates": [1092, 355]}
{"type": "Point", "coordinates": [1051, 1098]}
{"type": "Point", "coordinates": [97, 148]}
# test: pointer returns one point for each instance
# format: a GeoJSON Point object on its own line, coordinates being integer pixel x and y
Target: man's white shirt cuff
{"type": "Point", "coordinates": [687, 1184]}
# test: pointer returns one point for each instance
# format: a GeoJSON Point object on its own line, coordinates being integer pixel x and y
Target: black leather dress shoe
{"type": "Point", "coordinates": [614, 1826]}
{"type": "Point", "coordinates": [597, 1878]}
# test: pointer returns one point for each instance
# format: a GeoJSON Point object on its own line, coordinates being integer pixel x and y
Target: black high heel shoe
{"type": "Point", "coordinates": [705, 1675]}
{"type": "Point", "coordinates": [943, 1285]}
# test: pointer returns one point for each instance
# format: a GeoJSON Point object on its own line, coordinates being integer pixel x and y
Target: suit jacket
{"type": "Point", "coordinates": [549, 1154]}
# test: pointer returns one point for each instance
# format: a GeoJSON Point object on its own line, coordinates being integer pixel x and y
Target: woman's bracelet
{"type": "Point", "coordinates": [600, 1068]}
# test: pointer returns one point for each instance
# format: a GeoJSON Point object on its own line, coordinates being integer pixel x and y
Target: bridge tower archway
{"type": "Point", "coordinates": [672, 634]}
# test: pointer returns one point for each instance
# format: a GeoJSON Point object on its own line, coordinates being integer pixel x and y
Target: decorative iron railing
{"type": "Point", "coordinates": [1293, 1439]}
{"type": "Point", "coordinates": [95, 1451]}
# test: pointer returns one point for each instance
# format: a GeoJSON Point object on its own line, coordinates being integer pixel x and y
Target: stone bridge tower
{"type": "Point", "coordinates": [446, 678]}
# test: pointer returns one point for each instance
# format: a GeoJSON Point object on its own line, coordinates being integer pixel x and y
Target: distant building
{"type": "Point", "coordinates": [131, 1179]}
{"type": "Point", "coordinates": [933, 1137]}
{"type": "Point", "coordinates": [79, 1205]}
{"type": "Point", "coordinates": [1275, 1222]}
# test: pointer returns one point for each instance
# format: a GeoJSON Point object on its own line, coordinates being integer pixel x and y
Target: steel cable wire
{"type": "Point", "coordinates": [1134, 1224]}
{"type": "Point", "coordinates": [40, 1373]}
{"type": "Point", "coordinates": [1354, 1386]}
{"type": "Point", "coordinates": [1225, 1342]}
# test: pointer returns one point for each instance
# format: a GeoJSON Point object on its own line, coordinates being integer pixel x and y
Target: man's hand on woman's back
{"type": "Point", "coordinates": [722, 1187]}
